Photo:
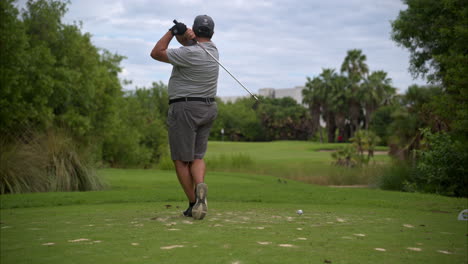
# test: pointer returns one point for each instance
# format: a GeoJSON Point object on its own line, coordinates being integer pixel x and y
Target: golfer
{"type": "Point", "coordinates": [192, 107]}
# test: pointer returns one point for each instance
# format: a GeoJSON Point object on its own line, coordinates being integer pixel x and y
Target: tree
{"type": "Point", "coordinates": [314, 97]}
{"type": "Point", "coordinates": [376, 91]}
{"type": "Point", "coordinates": [284, 119]}
{"type": "Point", "coordinates": [356, 69]}
{"type": "Point", "coordinates": [436, 33]}
{"type": "Point", "coordinates": [409, 118]}
{"type": "Point", "coordinates": [327, 98]}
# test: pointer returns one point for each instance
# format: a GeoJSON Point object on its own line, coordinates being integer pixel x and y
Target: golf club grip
{"type": "Point", "coordinates": [219, 63]}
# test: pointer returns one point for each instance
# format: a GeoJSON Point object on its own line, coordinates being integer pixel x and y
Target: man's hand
{"type": "Point", "coordinates": [189, 34]}
{"type": "Point", "coordinates": [187, 39]}
{"type": "Point", "coordinates": [178, 29]}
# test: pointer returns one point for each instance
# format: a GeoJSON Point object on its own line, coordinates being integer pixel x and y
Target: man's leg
{"type": "Point", "coordinates": [197, 170]}
{"type": "Point", "coordinates": [185, 179]}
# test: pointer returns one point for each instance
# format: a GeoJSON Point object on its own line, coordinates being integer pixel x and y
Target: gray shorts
{"type": "Point", "coordinates": [189, 127]}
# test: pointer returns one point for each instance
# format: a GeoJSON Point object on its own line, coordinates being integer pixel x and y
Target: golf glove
{"type": "Point", "coordinates": [178, 29]}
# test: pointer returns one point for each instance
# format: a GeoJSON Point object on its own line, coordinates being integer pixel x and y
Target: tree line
{"type": "Point", "coordinates": [56, 85]}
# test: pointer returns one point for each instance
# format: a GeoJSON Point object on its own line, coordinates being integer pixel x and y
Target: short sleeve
{"type": "Point", "coordinates": [179, 57]}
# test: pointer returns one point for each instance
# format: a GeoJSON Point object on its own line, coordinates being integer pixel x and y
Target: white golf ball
{"type": "Point", "coordinates": [299, 212]}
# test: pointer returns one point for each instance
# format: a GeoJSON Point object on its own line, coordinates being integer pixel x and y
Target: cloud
{"type": "Point", "coordinates": [264, 43]}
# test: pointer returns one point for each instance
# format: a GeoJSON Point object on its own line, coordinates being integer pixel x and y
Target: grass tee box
{"type": "Point", "coordinates": [252, 219]}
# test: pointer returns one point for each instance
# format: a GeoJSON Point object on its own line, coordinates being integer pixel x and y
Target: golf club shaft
{"type": "Point", "coordinates": [226, 70]}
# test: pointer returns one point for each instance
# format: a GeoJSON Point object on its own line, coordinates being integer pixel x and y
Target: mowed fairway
{"type": "Point", "coordinates": [309, 162]}
{"type": "Point", "coordinates": [252, 219]}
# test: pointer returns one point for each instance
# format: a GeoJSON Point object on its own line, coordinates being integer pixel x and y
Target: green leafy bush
{"type": "Point", "coordinates": [353, 155]}
{"type": "Point", "coordinates": [441, 166]}
{"type": "Point", "coordinates": [395, 177]}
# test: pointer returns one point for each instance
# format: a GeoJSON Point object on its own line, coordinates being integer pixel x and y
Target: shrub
{"type": "Point", "coordinates": [441, 167]}
{"type": "Point", "coordinates": [166, 163]}
{"type": "Point", "coordinates": [45, 162]}
{"type": "Point", "coordinates": [395, 177]}
{"type": "Point", "coordinates": [346, 157]}
{"type": "Point", "coordinates": [353, 155]}
{"type": "Point", "coordinates": [21, 168]}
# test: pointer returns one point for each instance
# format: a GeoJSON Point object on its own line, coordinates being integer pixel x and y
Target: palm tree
{"type": "Point", "coordinates": [375, 92]}
{"type": "Point", "coordinates": [338, 101]}
{"type": "Point", "coordinates": [326, 97]}
{"type": "Point", "coordinates": [355, 65]}
{"type": "Point", "coordinates": [356, 69]}
{"type": "Point", "coordinates": [313, 96]}
{"type": "Point", "coordinates": [328, 77]}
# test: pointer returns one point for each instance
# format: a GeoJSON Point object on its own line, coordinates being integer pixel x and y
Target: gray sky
{"type": "Point", "coordinates": [265, 43]}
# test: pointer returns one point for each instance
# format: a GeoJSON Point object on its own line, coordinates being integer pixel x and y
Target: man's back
{"type": "Point", "coordinates": [195, 73]}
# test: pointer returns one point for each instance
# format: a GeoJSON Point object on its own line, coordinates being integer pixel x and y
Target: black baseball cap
{"type": "Point", "coordinates": [203, 26]}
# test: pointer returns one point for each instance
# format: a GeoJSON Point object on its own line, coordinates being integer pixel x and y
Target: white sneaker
{"type": "Point", "coordinates": [200, 208]}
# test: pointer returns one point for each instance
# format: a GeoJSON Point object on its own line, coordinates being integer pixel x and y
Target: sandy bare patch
{"type": "Point", "coordinates": [286, 245]}
{"type": "Point", "coordinates": [340, 220]}
{"type": "Point", "coordinates": [408, 226]}
{"type": "Point", "coordinates": [360, 235]}
{"type": "Point", "coordinates": [218, 225]}
{"type": "Point", "coordinates": [172, 247]}
{"type": "Point", "coordinates": [135, 244]}
{"type": "Point", "coordinates": [78, 240]}
{"type": "Point", "coordinates": [380, 249]}
{"type": "Point", "coordinates": [264, 243]}
{"type": "Point", "coordinates": [48, 244]}
{"type": "Point", "coordinates": [173, 229]}
{"type": "Point", "coordinates": [171, 224]}
{"type": "Point", "coordinates": [97, 241]}
{"type": "Point", "coordinates": [5, 227]}
{"type": "Point", "coordinates": [301, 238]}
{"type": "Point", "coordinates": [347, 237]}
{"type": "Point", "coordinates": [414, 249]}
{"type": "Point", "coordinates": [160, 219]}
{"type": "Point", "coordinates": [444, 252]}
{"type": "Point", "coordinates": [260, 227]}
{"type": "Point", "coordinates": [299, 228]}
{"type": "Point", "coordinates": [236, 262]}
{"type": "Point", "coordinates": [187, 222]}
{"type": "Point", "coordinates": [446, 233]}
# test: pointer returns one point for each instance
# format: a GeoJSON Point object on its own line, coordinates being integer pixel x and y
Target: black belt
{"type": "Point", "coordinates": [188, 99]}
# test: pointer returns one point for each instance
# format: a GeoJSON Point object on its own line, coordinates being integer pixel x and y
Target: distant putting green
{"type": "Point", "coordinates": [251, 219]}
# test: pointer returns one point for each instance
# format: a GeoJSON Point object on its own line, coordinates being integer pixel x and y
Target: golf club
{"type": "Point", "coordinates": [219, 63]}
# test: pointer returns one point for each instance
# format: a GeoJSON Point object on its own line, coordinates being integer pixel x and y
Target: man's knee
{"type": "Point", "coordinates": [180, 163]}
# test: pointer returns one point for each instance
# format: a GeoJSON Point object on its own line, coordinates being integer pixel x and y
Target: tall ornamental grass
{"type": "Point", "coordinates": [45, 162]}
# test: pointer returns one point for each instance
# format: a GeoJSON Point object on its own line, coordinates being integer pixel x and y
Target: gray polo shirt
{"type": "Point", "coordinates": [195, 73]}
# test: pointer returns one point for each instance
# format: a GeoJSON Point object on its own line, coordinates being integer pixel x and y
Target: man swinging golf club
{"type": "Point", "coordinates": [192, 111]}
